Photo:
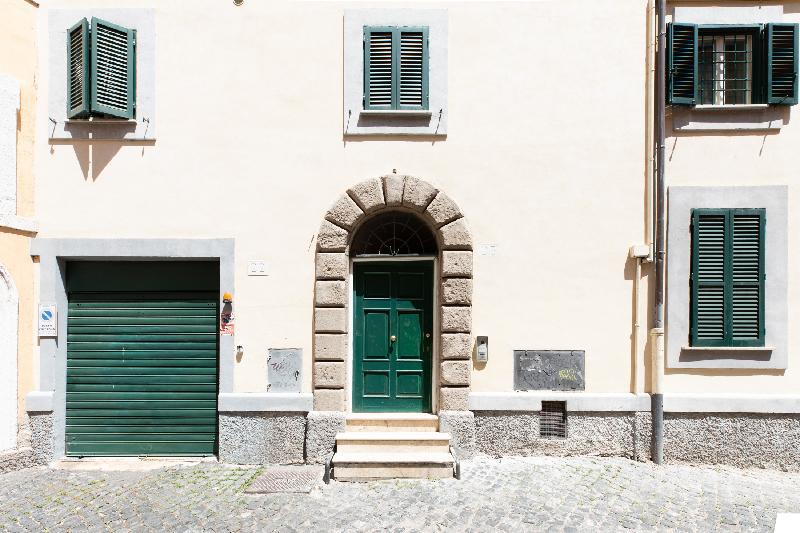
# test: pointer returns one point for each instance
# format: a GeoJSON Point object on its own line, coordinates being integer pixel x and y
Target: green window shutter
{"type": "Point", "coordinates": [782, 63]}
{"type": "Point", "coordinates": [727, 283]}
{"type": "Point", "coordinates": [78, 70]}
{"type": "Point", "coordinates": [682, 63]}
{"type": "Point", "coordinates": [747, 277]}
{"type": "Point", "coordinates": [413, 68]}
{"type": "Point", "coordinates": [113, 68]}
{"type": "Point", "coordinates": [379, 78]}
{"type": "Point", "coordinates": [708, 277]}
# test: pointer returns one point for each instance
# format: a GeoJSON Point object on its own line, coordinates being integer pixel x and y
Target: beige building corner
{"type": "Point", "coordinates": [18, 93]}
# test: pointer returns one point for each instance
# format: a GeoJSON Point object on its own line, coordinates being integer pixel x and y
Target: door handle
{"type": "Point", "coordinates": [393, 338]}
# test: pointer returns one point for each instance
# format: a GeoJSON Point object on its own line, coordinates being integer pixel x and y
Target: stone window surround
{"type": "Point", "coordinates": [54, 253]}
{"type": "Point", "coordinates": [774, 355]}
{"type": "Point", "coordinates": [356, 121]}
{"type": "Point", "coordinates": [143, 127]}
{"type": "Point", "coordinates": [332, 350]}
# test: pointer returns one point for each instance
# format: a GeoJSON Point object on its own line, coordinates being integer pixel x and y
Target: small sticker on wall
{"type": "Point", "coordinates": [48, 320]}
{"type": "Point", "coordinates": [226, 323]}
{"type": "Point", "coordinates": [487, 249]}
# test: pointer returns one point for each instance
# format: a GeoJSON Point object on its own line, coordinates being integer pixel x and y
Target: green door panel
{"type": "Point", "coordinates": [142, 358]}
{"type": "Point", "coordinates": [392, 336]}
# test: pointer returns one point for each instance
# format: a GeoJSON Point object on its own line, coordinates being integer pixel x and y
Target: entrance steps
{"type": "Point", "coordinates": [393, 445]}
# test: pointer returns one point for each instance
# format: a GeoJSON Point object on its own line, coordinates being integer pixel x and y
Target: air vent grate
{"type": "Point", "coordinates": [553, 420]}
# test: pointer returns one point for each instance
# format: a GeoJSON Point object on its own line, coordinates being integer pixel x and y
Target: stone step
{"type": "Point", "coordinates": [404, 422]}
{"type": "Point", "coordinates": [369, 466]}
{"type": "Point", "coordinates": [395, 442]}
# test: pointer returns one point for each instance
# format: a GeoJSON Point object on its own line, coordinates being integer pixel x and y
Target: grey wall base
{"type": "Point", "coordinates": [261, 438]}
{"type": "Point", "coordinates": [744, 440]}
{"type": "Point", "coordinates": [321, 433]}
{"type": "Point", "coordinates": [461, 427]}
{"type": "Point", "coordinates": [624, 434]}
{"type": "Point", "coordinates": [41, 436]}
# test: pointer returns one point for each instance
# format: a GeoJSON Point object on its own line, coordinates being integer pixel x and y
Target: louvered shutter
{"type": "Point", "coordinates": [747, 278]}
{"type": "Point", "coordinates": [113, 70]}
{"type": "Point", "coordinates": [413, 68]}
{"type": "Point", "coordinates": [682, 63]}
{"type": "Point", "coordinates": [379, 80]}
{"type": "Point", "coordinates": [727, 277]}
{"type": "Point", "coordinates": [782, 63]}
{"type": "Point", "coordinates": [708, 278]}
{"type": "Point", "coordinates": [78, 70]}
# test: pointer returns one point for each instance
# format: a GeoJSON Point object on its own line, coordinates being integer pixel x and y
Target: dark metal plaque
{"type": "Point", "coordinates": [549, 370]}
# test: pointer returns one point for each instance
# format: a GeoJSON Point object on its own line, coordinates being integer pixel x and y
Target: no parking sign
{"type": "Point", "coordinates": [48, 320]}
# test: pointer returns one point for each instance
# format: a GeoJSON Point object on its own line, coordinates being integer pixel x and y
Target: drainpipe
{"type": "Point", "coordinates": [657, 333]}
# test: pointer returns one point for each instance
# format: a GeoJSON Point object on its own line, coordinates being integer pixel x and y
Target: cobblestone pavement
{"type": "Point", "coordinates": [531, 494]}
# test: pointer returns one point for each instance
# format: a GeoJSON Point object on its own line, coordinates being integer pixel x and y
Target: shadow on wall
{"type": "Point", "coordinates": [94, 156]}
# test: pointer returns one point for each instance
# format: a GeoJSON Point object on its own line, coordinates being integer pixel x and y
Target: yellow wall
{"type": "Point", "coordinates": [747, 158]}
{"type": "Point", "coordinates": [18, 58]}
{"type": "Point", "coordinates": [545, 156]}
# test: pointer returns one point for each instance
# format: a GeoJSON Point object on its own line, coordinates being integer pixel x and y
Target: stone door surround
{"type": "Point", "coordinates": [331, 319]}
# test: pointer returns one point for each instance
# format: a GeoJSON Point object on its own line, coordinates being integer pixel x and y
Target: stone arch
{"type": "Point", "coordinates": [331, 313]}
{"type": "Point", "coordinates": [9, 325]}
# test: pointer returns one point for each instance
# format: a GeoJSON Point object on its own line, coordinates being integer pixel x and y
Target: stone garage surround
{"type": "Point", "coordinates": [331, 291]}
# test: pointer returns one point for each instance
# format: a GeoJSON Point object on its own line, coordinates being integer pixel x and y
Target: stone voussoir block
{"type": "Point", "coordinates": [329, 347]}
{"type": "Point", "coordinates": [456, 346]}
{"type": "Point", "coordinates": [393, 189]}
{"type": "Point", "coordinates": [457, 291]}
{"type": "Point", "coordinates": [329, 400]}
{"type": "Point", "coordinates": [368, 195]}
{"type": "Point", "coordinates": [330, 293]}
{"type": "Point", "coordinates": [331, 238]}
{"type": "Point", "coordinates": [417, 194]}
{"type": "Point", "coordinates": [456, 264]}
{"type": "Point", "coordinates": [329, 374]}
{"type": "Point", "coordinates": [456, 235]}
{"type": "Point", "coordinates": [457, 319]}
{"type": "Point", "coordinates": [455, 373]}
{"type": "Point", "coordinates": [331, 265]}
{"type": "Point", "coordinates": [330, 319]}
{"type": "Point", "coordinates": [454, 399]}
{"type": "Point", "coordinates": [443, 210]}
{"type": "Point", "coordinates": [345, 212]}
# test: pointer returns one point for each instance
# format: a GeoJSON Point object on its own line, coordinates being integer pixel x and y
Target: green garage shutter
{"type": "Point", "coordinates": [142, 351]}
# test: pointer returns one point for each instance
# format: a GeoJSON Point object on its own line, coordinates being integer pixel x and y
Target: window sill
{"type": "Point", "coordinates": [100, 121]}
{"type": "Point", "coordinates": [396, 112]}
{"type": "Point", "coordinates": [725, 349]}
{"type": "Point", "coordinates": [729, 118]}
{"type": "Point", "coordinates": [729, 107]}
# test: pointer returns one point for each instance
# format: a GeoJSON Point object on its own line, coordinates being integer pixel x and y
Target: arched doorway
{"type": "Point", "coordinates": [395, 229]}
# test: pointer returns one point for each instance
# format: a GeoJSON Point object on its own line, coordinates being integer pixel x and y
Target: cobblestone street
{"type": "Point", "coordinates": [579, 494]}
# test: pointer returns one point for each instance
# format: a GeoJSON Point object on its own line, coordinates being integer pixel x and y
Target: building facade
{"type": "Point", "coordinates": [320, 216]}
{"type": "Point", "coordinates": [18, 85]}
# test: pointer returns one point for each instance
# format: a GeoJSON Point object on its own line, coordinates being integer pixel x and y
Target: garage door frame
{"type": "Point", "coordinates": [55, 253]}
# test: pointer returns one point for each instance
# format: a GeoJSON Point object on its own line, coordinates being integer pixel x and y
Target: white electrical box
{"type": "Point", "coordinates": [257, 268]}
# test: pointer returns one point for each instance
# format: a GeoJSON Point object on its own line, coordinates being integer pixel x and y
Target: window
{"type": "Point", "coordinates": [727, 277]}
{"type": "Point", "coordinates": [732, 65]}
{"type": "Point", "coordinates": [395, 68]}
{"type": "Point", "coordinates": [101, 60]}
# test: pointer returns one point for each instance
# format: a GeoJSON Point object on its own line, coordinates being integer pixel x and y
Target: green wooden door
{"type": "Point", "coordinates": [142, 358]}
{"type": "Point", "coordinates": [392, 336]}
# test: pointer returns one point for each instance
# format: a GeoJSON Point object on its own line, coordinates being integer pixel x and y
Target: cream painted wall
{"type": "Point", "coordinates": [18, 58]}
{"type": "Point", "coordinates": [748, 158]}
{"type": "Point", "coordinates": [544, 156]}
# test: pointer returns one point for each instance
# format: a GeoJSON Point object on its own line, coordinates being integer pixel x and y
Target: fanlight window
{"type": "Point", "coordinates": [393, 234]}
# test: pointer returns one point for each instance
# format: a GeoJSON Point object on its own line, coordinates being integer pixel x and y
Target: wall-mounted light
{"type": "Point", "coordinates": [227, 298]}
